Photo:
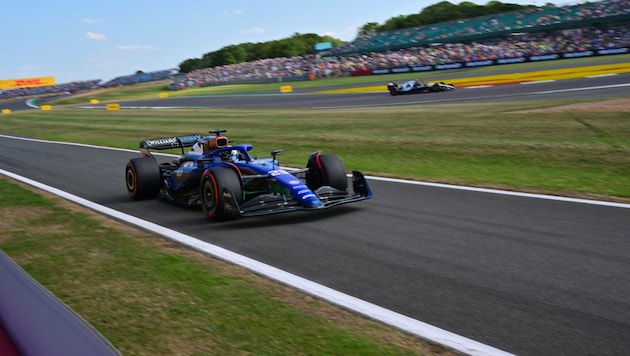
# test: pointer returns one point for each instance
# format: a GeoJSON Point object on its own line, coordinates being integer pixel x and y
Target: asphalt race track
{"type": "Point", "coordinates": [600, 87]}
{"type": "Point", "coordinates": [526, 275]}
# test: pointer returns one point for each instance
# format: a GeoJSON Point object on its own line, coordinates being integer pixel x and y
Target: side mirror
{"type": "Point", "coordinates": [275, 153]}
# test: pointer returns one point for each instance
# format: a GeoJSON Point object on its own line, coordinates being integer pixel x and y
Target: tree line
{"type": "Point", "coordinates": [302, 44]}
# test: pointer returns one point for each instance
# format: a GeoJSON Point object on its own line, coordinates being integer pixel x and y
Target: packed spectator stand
{"type": "Point", "coordinates": [140, 77]}
{"type": "Point", "coordinates": [530, 20]}
{"type": "Point", "coordinates": [534, 31]}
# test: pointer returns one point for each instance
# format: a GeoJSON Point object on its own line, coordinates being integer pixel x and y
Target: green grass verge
{"type": "Point", "coordinates": [150, 297]}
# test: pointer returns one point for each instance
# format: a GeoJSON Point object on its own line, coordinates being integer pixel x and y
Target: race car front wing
{"type": "Point", "coordinates": [268, 204]}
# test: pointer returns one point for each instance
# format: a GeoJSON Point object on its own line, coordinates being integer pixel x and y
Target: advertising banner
{"type": "Point", "coordinates": [27, 82]}
{"type": "Point", "coordinates": [490, 62]}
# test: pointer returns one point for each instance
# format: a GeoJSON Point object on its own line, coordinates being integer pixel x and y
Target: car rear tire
{"type": "Point", "coordinates": [326, 169]}
{"type": "Point", "coordinates": [215, 205]}
{"type": "Point", "coordinates": [143, 178]}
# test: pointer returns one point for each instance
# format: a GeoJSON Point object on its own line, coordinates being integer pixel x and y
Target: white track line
{"type": "Point", "coordinates": [584, 88]}
{"type": "Point", "coordinates": [537, 82]}
{"type": "Point", "coordinates": [601, 75]}
{"type": "Point", "coordinates": [505, 192]}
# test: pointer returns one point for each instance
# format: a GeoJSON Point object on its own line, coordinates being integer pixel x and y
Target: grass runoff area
{"type": "Point", "coordinates": [150, 297]}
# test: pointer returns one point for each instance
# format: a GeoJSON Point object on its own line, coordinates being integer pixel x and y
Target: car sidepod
{"type": "Point", "coordinates": [299, 191]}
{"type": "Point", "coordinates": [181, 183]}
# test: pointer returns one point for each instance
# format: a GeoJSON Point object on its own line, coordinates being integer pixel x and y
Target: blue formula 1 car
{"type": "Point", "coordinates": [418, 87]}
{"type": "Point", "coordinates": [227, 182]}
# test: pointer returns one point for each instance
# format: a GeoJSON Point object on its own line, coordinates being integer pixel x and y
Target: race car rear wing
{"type": "Point", "coordinates": [165, 143]}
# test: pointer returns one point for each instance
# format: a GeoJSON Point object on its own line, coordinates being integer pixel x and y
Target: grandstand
{"type": "Point", "coordinates": [141, 77]}
{"type": "Point", "coordinates": [540, 19]}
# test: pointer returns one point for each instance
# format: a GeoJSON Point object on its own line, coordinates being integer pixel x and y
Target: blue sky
{"type": "Point", "coordinates": [75, 40]}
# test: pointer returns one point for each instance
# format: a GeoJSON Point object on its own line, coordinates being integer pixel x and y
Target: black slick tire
{"type": "Point", "coordinates": [143, 178]}
{"type": "Point", "coordinates": [215, 184]}
{"type": "Point", "coordinates": [326, 170]}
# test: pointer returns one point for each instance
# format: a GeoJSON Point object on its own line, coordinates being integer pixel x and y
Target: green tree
{"type": "Point", "coordinates": [497, 7]}
{"type": "Point", "coordinates": [441, 12]}
{"type": "Point", "coordinates": [398, 22]}
{"type": "Point", "coordinates": [369, 29]}
{"type": "Point", "coordinates": [470, 9]}
{"type": "Point", "coordinates": [189, 65]}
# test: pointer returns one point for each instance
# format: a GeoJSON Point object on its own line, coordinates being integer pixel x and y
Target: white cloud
{"type": "Point", "coordinates": [94, 36]}
{"type": "Point", "coordinates": [136, 48]}
{"type": "Point", "coordinates": [254, 30]}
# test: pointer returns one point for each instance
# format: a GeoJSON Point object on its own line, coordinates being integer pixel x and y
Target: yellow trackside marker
{"type": "Point", "coordinates": [163, 95]}
{"type": "Point", "coordinates": [111, 107]}
{"type": "Point", "coordinates": [46, 107]}
{"type": "Point", "coordinates": [94, 101]}
{"type": "Point", "coordinates": [6, 111]}
{"type": "Point", "coordinates": [286, 89]}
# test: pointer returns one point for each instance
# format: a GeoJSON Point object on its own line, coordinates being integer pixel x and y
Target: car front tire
{"type": "Point", "coordinates": [214, 202]}
{"type": "Point", "coordinates": [326, 169]}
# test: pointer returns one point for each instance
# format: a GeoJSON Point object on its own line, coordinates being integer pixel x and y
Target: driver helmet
{"type": "Point", "coordinates": [231, 155]}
